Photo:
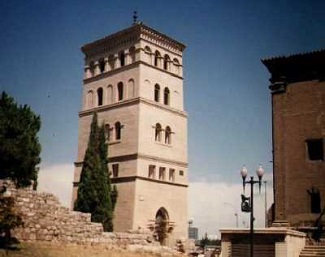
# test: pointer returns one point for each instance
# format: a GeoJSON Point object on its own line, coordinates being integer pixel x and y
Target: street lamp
{"type": "Point", "coordinates": [248, 202]}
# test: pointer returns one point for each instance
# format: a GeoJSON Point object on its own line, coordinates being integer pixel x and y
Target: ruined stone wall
{"type": "Point", "coordinates": [45, 219]}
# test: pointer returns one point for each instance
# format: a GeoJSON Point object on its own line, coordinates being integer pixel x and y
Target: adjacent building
{"type": "Point", "coordinates": [298, 115]}
{"type": "Point", "coordinates": [133, 79]}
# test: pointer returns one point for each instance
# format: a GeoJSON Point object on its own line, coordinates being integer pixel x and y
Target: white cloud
{"type": "Point", "coordinates": [211, 205]}
{"type": "Point", "coordinates": [214, 205]}
{"type": "Point", "coordinates": [57, 179]}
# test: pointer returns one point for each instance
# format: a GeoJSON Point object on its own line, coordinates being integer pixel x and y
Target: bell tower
{"type": "Point", "coordinates": [133, 79]}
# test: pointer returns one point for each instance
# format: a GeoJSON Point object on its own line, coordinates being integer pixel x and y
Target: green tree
{"type": "Point", "coordinates": [94, 192]}
{"type": "Point", "coordinates": [19, 145]}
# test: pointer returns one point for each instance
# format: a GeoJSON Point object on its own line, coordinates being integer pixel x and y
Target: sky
{"type": "Point", "coordinates": [226, 85]}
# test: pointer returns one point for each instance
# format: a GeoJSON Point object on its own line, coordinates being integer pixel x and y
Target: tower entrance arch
{"type": "Point", "coordinates": [163, 226]}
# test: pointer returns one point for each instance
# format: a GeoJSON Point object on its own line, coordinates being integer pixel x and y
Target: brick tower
{"type": "Point", "coordinates": [298, 114]}
{"type": "Point", "coordinates": [134, 81]}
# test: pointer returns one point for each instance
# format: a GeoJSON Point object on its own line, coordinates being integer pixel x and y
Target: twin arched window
{"type": "Point", "coordinates": [158, 134]}
{"type": "Point", "coordinates": [118, 131]}
{"type": "Point", "coordinates": [166, 95]}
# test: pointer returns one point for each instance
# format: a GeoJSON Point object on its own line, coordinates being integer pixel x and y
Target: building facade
{"type": "Point", "coordinates": [298, 114]}
{"type": "Point", "coordinates": [134, 81]}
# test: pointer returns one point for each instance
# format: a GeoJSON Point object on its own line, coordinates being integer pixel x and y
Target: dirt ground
{"type": "Point", "coordinates": [57, 250]}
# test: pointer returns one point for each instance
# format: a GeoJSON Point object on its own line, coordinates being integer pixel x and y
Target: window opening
{"type": "Point", "coordinates": [171, 175]}
{"type": "Point", "coordinates": [100, 96]}
{"type": "Point", "coordinates": [120, 91]}
{"type": "Point", "coordinates": [92, 68]}
{"type": "Point", "coordinates": [166, 61]}
{"type": "Point", "coordinates": [118, 130]}
{"type": "Point", "coordinates": [315, 149]}
{"type": "Point", "coordinates": [158, 132]}
{"type": "Point", "coordinates": [101, 65]}
{"type": "Point", "coordinates": [314, 200]}
{"type": "Point", "coordinates": [157, 55]}
{"type": "Point", "coordinates": [122, 58]}
{"type": "Point", "coordinates": [132, 54]}
{"type": "Point", "coordinates": [181, 173]}
{"type": "Point", "coordinates": [157, 92]}
{"type": "Point", "coordinates": [115, 168]}
{"type": "Point", "coordinates": [107, 132]}
{"type": "Point", "coordinates": [168, 133]}
{"type": "Point", "coordinates": [152, 171]}
{"type": "Point", "coordinates": [162, 172]}
{"type": "Point", "coordinates": [166, 96]}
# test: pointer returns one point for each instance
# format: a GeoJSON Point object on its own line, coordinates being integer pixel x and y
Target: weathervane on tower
{"type": "Point", "coordinates": [135, 17]}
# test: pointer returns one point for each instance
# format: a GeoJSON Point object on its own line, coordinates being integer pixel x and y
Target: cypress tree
{"type": "Point", "coordinates": [86, 199]}
{"type": "Point", "coordinates": [104, 210]}
{"type": "Point", "coordinates": [94, 192]}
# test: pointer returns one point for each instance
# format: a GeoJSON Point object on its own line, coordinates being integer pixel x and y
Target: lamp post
{"type": "Point", "coordinates": [265, 202]}
{"type": "Point", "coordinates": [249, 206]}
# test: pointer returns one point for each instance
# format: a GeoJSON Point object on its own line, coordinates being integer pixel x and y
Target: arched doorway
{"type": "Point", "coordinates": [162, 226]}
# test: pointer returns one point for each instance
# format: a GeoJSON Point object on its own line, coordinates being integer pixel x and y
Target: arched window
{"type": "Point", "coordinates": [100, 96]}
{"type": "Point", "coordinates": [148, 52]}
{"type": "Point", "coordinates": [166, 62]}
{"type": "Point", "coordinates": [92, 68]}
{"type": "Point", "coordinates": [131, 89]}
{"type": "Point", "coordinates": [166, 96]}
{"type": "Point", "coordinates": [108, 132]}
{"type": "Point", "coordinates": [122, 58]}
{"type": "Point", "coordinates": [132, 54]}
{"type": "Point", "coordinates": [168, 134]}
{"type": "Point", "coordinates": [90, 99]}
{"type": "Point", "coordinates": [109, 93]}
{"type": "Point", "coordinates": [101, 64]}
{"type": "Point", "coordinates": [120, 91]}
{"type": "Point", "coordinates": [157, 57]}
{"type": "Point", "coordinates": [176, 65]}
{"type": "Point", "coordinates": [157, 92]}
{"type": "Point", "coordinates": [111, 61]}
{"type": "Point", "coordinates": [118, 130]}
{"type": "Point", "coordinates": [158, 132]}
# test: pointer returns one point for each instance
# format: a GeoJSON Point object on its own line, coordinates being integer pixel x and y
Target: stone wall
{"type": "Point", "coordinates": [45, 219]}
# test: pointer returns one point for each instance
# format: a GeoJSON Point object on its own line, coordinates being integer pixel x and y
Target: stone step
{"type": "Point", "coordinates": [313, 251]}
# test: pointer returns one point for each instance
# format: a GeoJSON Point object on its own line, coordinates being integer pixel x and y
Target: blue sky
{"type": "Point", "coordinates": [226, 85]}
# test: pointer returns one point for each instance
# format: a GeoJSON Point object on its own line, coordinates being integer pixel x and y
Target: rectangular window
{"type": "Point", "coordinates": [315, 148]}
{"type": "Point", "coordinates": [171, 175]}
{"type": "Point", "coordinates": [115, 170]}
{"type": "Point", "coordinates": [162, 172]}
{"type": "Point", "coordinates": [152, 171]}
{"type": "Point", "coordinates": [181, 173]}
